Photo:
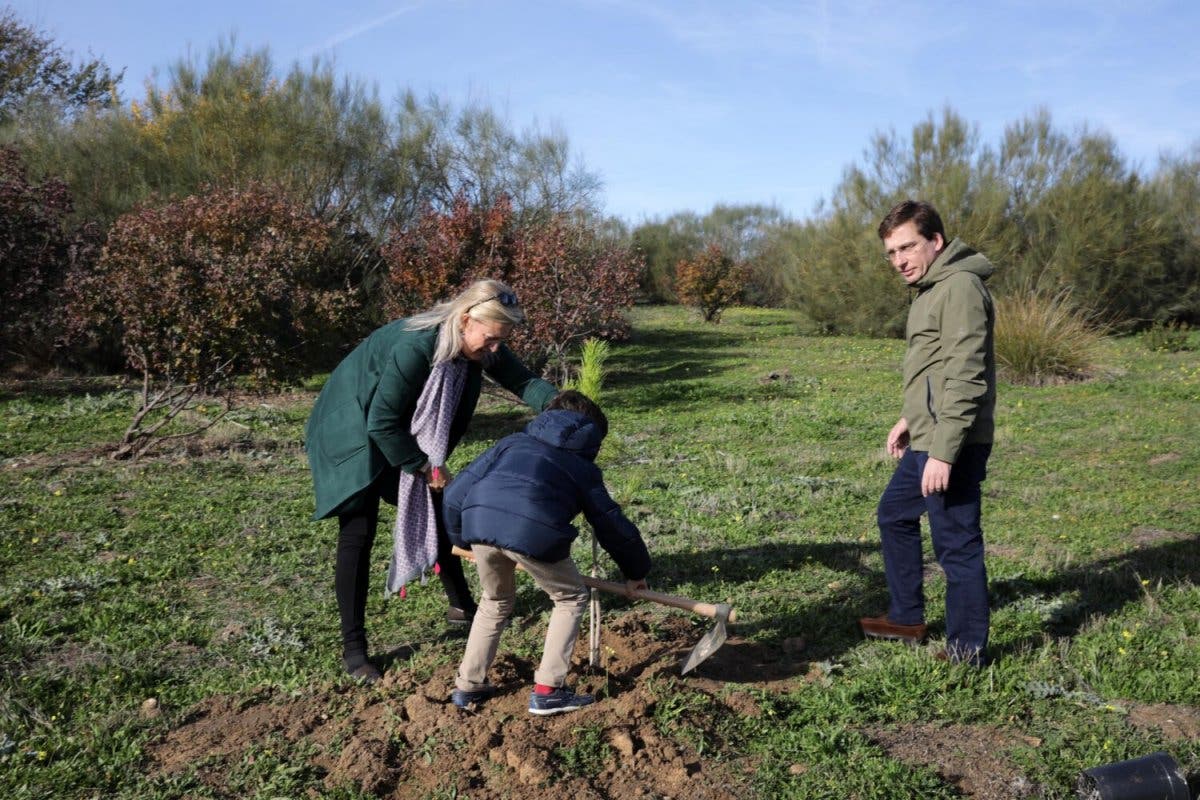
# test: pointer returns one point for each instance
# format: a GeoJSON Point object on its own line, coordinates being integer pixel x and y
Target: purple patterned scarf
{"type": "Point", "coordinates": [414, 547]}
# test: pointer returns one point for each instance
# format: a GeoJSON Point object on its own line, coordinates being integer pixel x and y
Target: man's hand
{"type": "Point", "coordinates": [936, 477]}
{"type": "Point", "coordinates": [897, 440]}
{"type": "Point", "coordinates": [635, 586]}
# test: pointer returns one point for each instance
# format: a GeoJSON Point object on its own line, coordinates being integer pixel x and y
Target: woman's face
{"type": "Point", "coordinates": [481, 337]}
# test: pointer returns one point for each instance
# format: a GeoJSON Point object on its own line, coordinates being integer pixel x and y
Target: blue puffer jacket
{"type": "Point", "coordinates": [523, 493]}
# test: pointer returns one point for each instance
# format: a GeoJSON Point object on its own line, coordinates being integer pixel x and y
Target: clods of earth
{"type": "Point", "coordinates": [402, 737]}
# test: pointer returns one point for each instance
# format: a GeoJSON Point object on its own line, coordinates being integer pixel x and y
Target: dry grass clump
{"type": "Point", "coordinates": [1043, 339]}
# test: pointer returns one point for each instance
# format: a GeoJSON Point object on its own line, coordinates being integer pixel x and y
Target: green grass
{"type": "Point", "coordinates": [751, 456]}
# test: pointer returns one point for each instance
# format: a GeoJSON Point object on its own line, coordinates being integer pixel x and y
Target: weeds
{"type": "Point", "coordinates": [588, 755]}
{"type": "Point", "coordinates": [1168, 337]}
{"type": "Point", "coordinates": [1042, 339]}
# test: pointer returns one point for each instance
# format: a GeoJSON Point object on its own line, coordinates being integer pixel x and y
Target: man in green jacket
{"type": "Point", "coordinates": [944, 435]}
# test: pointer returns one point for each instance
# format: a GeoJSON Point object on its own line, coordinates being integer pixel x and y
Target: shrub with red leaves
{"type": "Point", "coordinates": [441, 251]}
{"type": "Point", "coordinates": [712, 281]}
{"type": "Point", "coordinates": [34, 251]}
{"type": "Point", "coordinates": [205, 289]}
{"type": "Point", "coordinates": [572, 284]}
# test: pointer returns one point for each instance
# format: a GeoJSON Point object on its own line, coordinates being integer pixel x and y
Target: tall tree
{"type": "Point", "coordinates": [33, 69]}
{"type": "Point", "coordinates": [662, 244]}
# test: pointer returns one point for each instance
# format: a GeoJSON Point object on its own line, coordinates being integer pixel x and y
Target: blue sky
{"type": "Point", "coordinates": [682, 105]}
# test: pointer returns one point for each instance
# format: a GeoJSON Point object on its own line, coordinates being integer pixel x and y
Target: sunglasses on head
{"type": "Point", "coordinates": [506, 299]}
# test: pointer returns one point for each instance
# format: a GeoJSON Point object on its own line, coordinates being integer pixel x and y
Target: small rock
{"type": "Point", "coordinates": [150, 708]}
{"type": "Point", "coordinates": [797, 769]}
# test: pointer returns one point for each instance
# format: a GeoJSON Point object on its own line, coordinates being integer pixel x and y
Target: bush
{"type": "Point", "coordinates": [833, 273]}
{"type": "Point", "coordinates": [430, 259]}
{"type": "Point", "coordinates": [712, 281]}
{"type": "Point", "coordinates": [661, 246]}
{"type": "Point", "coordinates": [1042, 339]}
{"type": "Point", "coordinates": [34, 251]}
{"type": "Point", "coordinates": [1169, 337]}
{"type": "Point", "coordinates": [206, 289]}
{"type": "Point", "coordinates": [572, 282]}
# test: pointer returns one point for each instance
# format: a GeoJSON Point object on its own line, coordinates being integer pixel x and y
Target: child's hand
{"type": "Point", "coordinates": [635, 586]}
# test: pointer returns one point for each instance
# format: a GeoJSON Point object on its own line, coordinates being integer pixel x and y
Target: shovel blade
{"type": "Point", "coordinates": [709, 644]}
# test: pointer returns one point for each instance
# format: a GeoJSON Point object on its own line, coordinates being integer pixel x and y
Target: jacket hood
{"type": "Point", "coordinates": [568, 430]}
{"type": "Point", "coordinates": [957, 257]}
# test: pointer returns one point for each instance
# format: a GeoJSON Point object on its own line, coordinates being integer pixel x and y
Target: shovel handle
{"type": "Point", "coordinates": [685, 603]}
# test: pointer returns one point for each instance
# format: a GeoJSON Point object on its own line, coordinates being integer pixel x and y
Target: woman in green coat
{"type": "Point", "coordinates": [361, 436]}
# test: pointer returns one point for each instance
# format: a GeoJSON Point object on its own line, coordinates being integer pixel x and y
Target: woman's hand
{"type": "Point", "coordinates": [437, 477]}
{"type": "Point", "coordinates": [635, 586]}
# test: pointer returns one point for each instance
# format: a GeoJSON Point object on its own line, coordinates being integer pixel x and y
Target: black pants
{"type": "Point", "coordinates": [352, 573]}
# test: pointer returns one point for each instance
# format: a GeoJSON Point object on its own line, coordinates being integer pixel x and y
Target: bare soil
{"type": "Point", "coordinates": [1170, 720]}
{"type": "Point", "coordinates": [971, 757]}
{"type": "Point", "coordinates": [402, 738]}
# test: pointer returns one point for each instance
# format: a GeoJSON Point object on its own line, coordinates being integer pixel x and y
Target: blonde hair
{"type": "Point", "coordinates": [481, 300]}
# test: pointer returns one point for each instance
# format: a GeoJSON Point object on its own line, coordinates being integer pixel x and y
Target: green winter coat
{"type": "Point", "coordinates": [360, 423]}
{"type": "Point", "coordinates": [950, 366]}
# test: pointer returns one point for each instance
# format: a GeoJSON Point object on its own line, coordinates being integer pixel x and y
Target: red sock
{"type": "Point", "coordinates": [541, 688]}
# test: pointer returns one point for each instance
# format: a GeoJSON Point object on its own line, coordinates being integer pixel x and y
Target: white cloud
{"type": "Point", "coordinates": [365, 27]}
{"type": "Point", "coordinates": [860, 36]}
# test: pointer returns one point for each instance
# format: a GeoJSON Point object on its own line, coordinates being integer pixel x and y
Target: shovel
{"type": "Point", "coordinates": [723, 613]}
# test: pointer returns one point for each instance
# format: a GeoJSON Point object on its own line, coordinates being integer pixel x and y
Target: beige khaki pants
{"type": "Point", "coordinates": [560, 580]}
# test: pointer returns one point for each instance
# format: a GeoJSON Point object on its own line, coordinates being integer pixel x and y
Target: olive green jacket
{"type": "Point", "coordinates": [950, 365]}
{"type": "Point", "coordinates": [361, 421]}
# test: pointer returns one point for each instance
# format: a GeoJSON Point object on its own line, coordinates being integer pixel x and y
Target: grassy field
{"type": "Point", "coordinates": [751, 457]}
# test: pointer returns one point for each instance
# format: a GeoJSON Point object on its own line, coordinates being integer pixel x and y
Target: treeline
{"type": "Point", "coordinates": [409, 198]}
{"type": "Point", "coordinates": [1062, 215]}
{"type": "Point", "coordinates": [309, 210]}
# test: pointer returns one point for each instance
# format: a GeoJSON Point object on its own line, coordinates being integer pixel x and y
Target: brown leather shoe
{"type": "Point", "coordinates": [883, 628]}
{"type": "Point", "coordinates": [457, 616]}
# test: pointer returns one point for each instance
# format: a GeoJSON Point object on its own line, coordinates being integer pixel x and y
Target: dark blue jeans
{"type": "Point", "coordinates": [954, 525]}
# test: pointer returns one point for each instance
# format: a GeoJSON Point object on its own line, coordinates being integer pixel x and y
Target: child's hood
{"type": "Point", "coordinates": [567, 430]}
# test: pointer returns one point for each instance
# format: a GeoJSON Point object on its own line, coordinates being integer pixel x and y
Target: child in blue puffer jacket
{"type": "Point", "coordinates": [514, 505]}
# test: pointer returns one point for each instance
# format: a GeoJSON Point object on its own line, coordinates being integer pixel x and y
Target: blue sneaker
{"type": "Point", "coordinates": [559, 701]}
{"type": "Point", "coordinates": [463, 699]}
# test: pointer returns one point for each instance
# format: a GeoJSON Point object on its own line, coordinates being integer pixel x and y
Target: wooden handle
{"type": "Point", "coordinates": [685, 603]}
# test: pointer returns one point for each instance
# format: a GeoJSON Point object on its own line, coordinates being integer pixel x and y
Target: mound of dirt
{"type": "Point", "coordinates": [402, 738]}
